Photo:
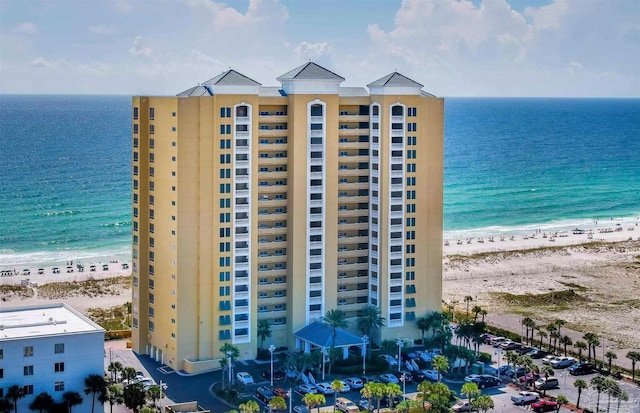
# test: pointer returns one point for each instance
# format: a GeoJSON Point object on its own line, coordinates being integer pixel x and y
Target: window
{"type": "Point", "coordinates": [135, 128]}
{"type": "Point", "coordinates": [152, 129]}
{"type": "Point", "coordinates": [27, 389]}
{"type": "Point", "coordinates": [58, 386]}
{"type": "Point", "coordinates": [28, 370]}
{"type": "Point", "coordinates": [411, 289]}
{"type": "Point", "coordinates": [412, 112]}
{"type": "Point", "coordinates": [224, 334]}
{"type": "Point", "coordinates": [28, 351]}
{"type": "Point", "coordinates": [59, 348]}
{"type": "Point", "coordinates": [135, 113]}
{"type": "Point", "coordinates": [412, 127]}
{"type": "Point", "coordinates": [59, 367]}
{"type": "Point", "coordinates": [152, 113]}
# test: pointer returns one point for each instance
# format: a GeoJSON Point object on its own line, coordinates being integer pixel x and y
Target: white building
{"type": "Point", "coordinates": [49, 348]}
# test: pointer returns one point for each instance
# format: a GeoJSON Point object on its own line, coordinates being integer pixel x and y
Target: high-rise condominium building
{"type": "Point", "coordinates": [255, 203]}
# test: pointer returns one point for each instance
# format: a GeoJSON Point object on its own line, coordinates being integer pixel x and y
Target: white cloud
{"type": "Point", "coordinates": [42, 63]}
{"type": "Point", "coordinates": [137, 49]}
{"type": "Point", "coordinates": [102, 29]}
{"type": "Point", "coordinates": [26, 28]}
{"type": "Point", "coordinates": [312, 51]}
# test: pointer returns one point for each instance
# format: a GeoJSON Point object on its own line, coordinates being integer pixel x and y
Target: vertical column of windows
{"type": "Point", "coordinates": [151, 214]}
{"type": "Point", "coordinates": [316, 196]}
{"type": "Point", "coordinates": [242, 224]}
{"type": "Point", "coordinates": [135, 220]}
{"type": "Point", "coordinates": [374, 204]}
{"type": "Point", "coordinates": [410, 218]}
{"type": "Point", "coordinates": [396, 259]}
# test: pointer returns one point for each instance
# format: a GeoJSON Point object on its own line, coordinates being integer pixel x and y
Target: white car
{"type": "Point", "coordinates": [244, 378]}
{"type": "Point", "coordinates": [525, 397]}
{"type": "Point", "coordinates": [306, 388]}
{"type": "Point", "coordinates": [562, 362]}
{"type": "Point", "coordinates": [324, 388]}
{"type": "Point", "coordinates": [548, 359]}
{"type": "Point", "coordinates": [461, 406]}
{"type": "Point", "coordinates": [354, 382]}
{"type": "Point", "coordinates": [389, 359]}
{"type": "Point", "coordinates": [432, 375]}
{"type": "Point", "coordinates": [389, 378]}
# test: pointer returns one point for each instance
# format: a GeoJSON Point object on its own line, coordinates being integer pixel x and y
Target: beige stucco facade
{"type": "Point", "coordinates": [254, 203]}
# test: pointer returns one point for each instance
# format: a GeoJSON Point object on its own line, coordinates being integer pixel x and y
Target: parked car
{"type": "Point", "coordinates": [563, 362]}
{"type": "Point", "coordinates": [417, 375]}
{"type": "Point", "coordinates": [546, 383]}
{"type": "Point", "coordinates": [488, 337]}
{"type": "Point", "coordinates": [389, 378]}
{"type": "Point", "coordinates": [487, 380]}
{"type": "Point", "coordinates": [345, 387]}
{"type": "Point", "coordinates": [523, 350]}
{"type": "Point", "coordinates": [432, 375]}
{"type": "Point", "coordinates": [461, 406]}
{"type": "Point", "coordinates": [244, 378]}
{"type": "Point", "coordinates": [510, 345]}
{"type": "Point", "coordinates": [264, 394]}
{"type": "Point", "coordinates": [364, 405]}
{"type": "Point", "coordinates": [301, 409]}
{"type": "Point", "coordinates": [544, 406]}
{"type": "Point", "coordinates": [548, 359]}
{"type": "Point", "coordinates": [472, 378]}
{"type": "Point", "coordinates": [324, 388]}
{"type": "Point", "coordinates": [278, 375]}
{"type": "Point", "coordinates": [517, 372]}
{"type": "Point", "coordinates": [525, 397]}
{"type": "Point", "coordinates": [306, 388]}
{"type": "Point", "coordinates": [581, 368]}
{"type": "Point", "coordinates": [389, 359]}
{"type": "Point", "coordinates": [346, 406]}
{"type": "Point", "coordinates": [279, 391]}
{"type": "Point", "coordinates": [503, 370]}
{"type": "Point", "coordinates": [387, 402]}
{"type": "Point", "coordinates": [529, 378]}
{"type": "Point", "coordinates": [403, 375]}
{"type": "Point", "coordinates": [496, 341]}
{"type": "Point", "coordinates": [354, 382]}
{"type": "Point", "coordinates": [537, 353]}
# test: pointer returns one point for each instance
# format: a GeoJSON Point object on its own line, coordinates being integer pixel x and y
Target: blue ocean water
{"type": "Point", "coordinates": [511, 165]}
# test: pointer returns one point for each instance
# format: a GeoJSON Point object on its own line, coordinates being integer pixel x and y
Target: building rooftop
{"type": "Point", "coordinates": [196, 91]}
{"type": "Point", "coordinates": [43, 320]}
{"type": "Point", "coordinates": [310, 71]}
{"type": "Point", "coordinates": [231, 78]}
{"type": "Point", "coordinates": [395, 79]}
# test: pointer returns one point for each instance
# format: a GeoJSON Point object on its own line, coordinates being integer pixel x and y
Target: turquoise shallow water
{"type": "Point", "coordinates": [511, 165]}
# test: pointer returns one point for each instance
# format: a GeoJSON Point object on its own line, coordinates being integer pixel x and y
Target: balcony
{"type": "Point", "coordinates": [346, 186]}
{"type": "Point", "coordinates": [353, 117]}
{"type": "Point", "coordinates": [272, 117]}
{"type": "Point", "coordinates": [353, 131]}
{"type": "Point", "coordinates": [272, 133]}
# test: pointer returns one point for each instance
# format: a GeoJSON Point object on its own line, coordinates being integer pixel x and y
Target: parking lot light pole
{"type": "Point", "coordinates": [290, 399]}
{"type": "Point", "coordinates": [229, 353]}
{"type": "Point", "coordinates": [404, 387]}
{"type": "Point", "coordinates": [271, 350]}
{"type": "Point", "coordinates": [499, 356]}
{"type": "Point", "coordinates": [365, 340]}
{"type": "Point", "coordinates": [400, 344]}
{"type": "Point", "coordinates": [324, 353]}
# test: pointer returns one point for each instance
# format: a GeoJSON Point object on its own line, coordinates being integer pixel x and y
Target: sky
{"type": "Point", "coordinates": [555, 48]}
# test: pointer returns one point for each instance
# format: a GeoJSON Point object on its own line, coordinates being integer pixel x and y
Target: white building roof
{"type": "Point", "coordinates": [43, 320]}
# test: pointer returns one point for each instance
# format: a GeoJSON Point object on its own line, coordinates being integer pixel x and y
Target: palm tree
{"type": "Point", "coordinates": [566, 341]}
{"type": "Point", "coordinates": [277, 403]}
{"type": "Point", "coordinates": [468, 299]}
{"type": "Point", "coordinates": [423, 325]}
{"type": "Point", "coordinates": [95, 385]}
{"type": "Point", "coordinates": [313, 400]}
{"type": "Point", "coordinates": [230, 354]}
{"type": "Point", "coordinates": [335, 319]}
{"type": "Point", "coordinates": [263, 331]}
{"type": "Point", "coordinates": [580, 385]}
{"type": "Point", "coordinates": [72, 398]}
{"type": "Point", "coordinates": [527, 323]}
{"type": "Point", "coordinates": [483, 313]}
{"type": "Point", "coordinates": [369, 320]}
{"type": "Point", "coordinates": [42, 402]}
{"type": "Point", "coordinates": [337, 386]}
{"type": "Point", "coordinates": [592, 342]}
{"type": "Point", "coordinates": [484, 403]}
{"type": "Point", "coordinates": [15, 393]}
{"type": "Point", "coordinates": [153, 394]}
{"type": "Point", "coordinates": [612, 389]}
{"type": "Point", "coordinates": [622, 396]}
{"type": "Point", "coordinates": [610, 356]}
{"type": "Point", "coordinates": [5, 405]}
{"type": "Point", "coordinates": [580, 345]}
{"type": "Point", "coordinates": [548, 372]}
{"type": "Point", "coordinates": [391, 390]}
{"type": "Point", "coordinates": [542, 335]}
{"type": "Point", "coordinates": [599, 384]}
{"type": "Point", "coordinates": [114, 368]}
{"type": "Point", "coordinates": [440, 364]}
{"type": "Point", "coordinates": [114, 395]}
{"type": "Point", "coordinates": [559, 323]}
{"type": "Point", "coordinates": [470, 390]}
{"type": "Point", "coordinates": [133, 396]}
{"type": "Point", "coordinates": [367, 393]}
{"type": "Point", "coordinates": [561, 400]}
{"type": "Point", "coordinates": [634, 356]}
{"type": "Point", "coordinates": [552, 329]}
{"type": "Point", "coordinates": [128, 373]}
{"type": "Point", "coordinates": [250, 406]}
{"type": "Point", "coordinates": [476, 310]}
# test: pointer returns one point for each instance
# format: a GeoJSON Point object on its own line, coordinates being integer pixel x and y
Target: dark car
{"type": "Point", "coordinates": [403, 374]}
{"type": "Point", "coordinates": [277, 375]}
{"type": "Point", "coordinates": [519, 371]}
{"type": "Point", "coordinates": [581, 368]}
{"type": "Point", "coordinates": [486, 380]}
{"type": "Point", "coordinates": [264, 394]}
{"type": "Point", "coordinates": [523, 350]}
{"type": "Point", "coordinates": [386, 401]}
{"type": "Point", "coordinates": [537, 354]}
{"type": "Point", "coordinates": [418, 376]}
